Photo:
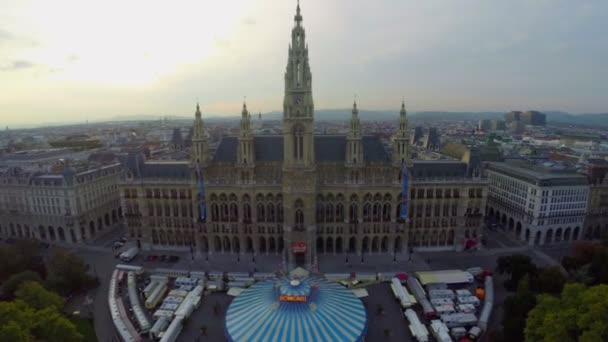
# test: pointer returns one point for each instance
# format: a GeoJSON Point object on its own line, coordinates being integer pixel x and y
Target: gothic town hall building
{"type": "Point", "coordinates": [300, 194]}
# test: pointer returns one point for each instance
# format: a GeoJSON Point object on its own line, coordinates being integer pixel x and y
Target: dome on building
{"type": "Point", "coordinates": [296, 309]}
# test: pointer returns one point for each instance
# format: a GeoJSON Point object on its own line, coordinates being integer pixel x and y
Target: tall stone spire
{"type": "Point", "coordinates": [246, 146]}
{"type": "Point", "coordinates": [354, 150]}
{"type": "Point", "coordinates": [355, 123]}
{"type": "Point", "coordinates": [199, 139]}
{"type": "Point", "coordinates": [400, 139]}
{"type": "Point", "coordinates": [298, 108]}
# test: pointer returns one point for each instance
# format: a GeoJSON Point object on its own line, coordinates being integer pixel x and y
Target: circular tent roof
{"type": "Point", "coordinates": [291, 309]}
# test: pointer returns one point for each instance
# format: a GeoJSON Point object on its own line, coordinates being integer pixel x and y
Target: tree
{"type": "Point", "coordinates": [16, 320]}
{"type": "Point", "coordinates": [20, 322]}
{"type": "Point", "coordinates": [12, 284]}
{"type": "Point", "coordinates": [550, 280]}
{"type": "Point", "coordinates": [516, 308]}
{"type": "Point", "coordinates": [67, 273]}
{"type": "Point", "coordinates": [23, 255]}
{"type": "Point", "coordinates": [578, 315]}
{"type": "Point", "coordinates": [11, 331]}
{"type": "Point", "coordinates": [37, 297]}
{"type": "Point", "coordinates": [517, 266]}
{"type": "Point", "coordinates": [598, 269]}
{"type": "Point", "coordinates": [53, 327]}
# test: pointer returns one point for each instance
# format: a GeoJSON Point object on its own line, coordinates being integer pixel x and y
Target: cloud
{"type": "Point", "coordinates": [5, 35]}
{"type": "Point", "coordinates": [72, 57]}
{"type": "Point", "coordinates": [17, 65]}
{"type": "Point", "coordinates": [249, 21]}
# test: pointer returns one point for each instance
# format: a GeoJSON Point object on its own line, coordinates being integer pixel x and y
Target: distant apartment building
{"type": "Point", "coordinates": [70, 206]}
{"type": "Point", "coordinates": [531, 117]}
{"type": "Point", "coordinates": [491, 125]}
{"type": "Point", "coordinates": [538, 205]}
{"type": "Point", "coordinates": [428, 139]}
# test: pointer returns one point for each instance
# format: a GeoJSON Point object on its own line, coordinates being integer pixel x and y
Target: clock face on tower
{"type": "Point", "coordinates": [298, 99]}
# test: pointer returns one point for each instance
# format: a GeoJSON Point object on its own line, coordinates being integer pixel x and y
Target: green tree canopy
{"type": "Point", "coordinates": [20, 322]}
{"type": "Point", "coordinates": [580, 314]}
{"type": "Point", "coordinates": [517, 266]}
{"type": "Point", "coordinates": [12, 284]}
{"type": "Point", "coordinates": [516, 309]}
{"type": "Point", "coordinates": [37, 297]}
{"type": "Point", "coordinates": [67, 273]}
{"type": "Point", "coordinates": [54, 327]}
{"type": "Point", "coordinates": [18, 257]}
{"type": "Point", "coordinates": [550, 280]}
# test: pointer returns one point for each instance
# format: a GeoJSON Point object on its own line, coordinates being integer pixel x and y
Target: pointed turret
{"type": "Point", "coordinates": [354, 150]}
{"type": "Point", "coordinates": [199, 139]}
{"type": "Point", "coordinates": [298, 17]}
{"type": "Point", "coordinates": [400, 139]}
{"type": "Point", "coordinates": [245, 150]}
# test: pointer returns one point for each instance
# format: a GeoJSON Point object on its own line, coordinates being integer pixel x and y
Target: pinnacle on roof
{"type": "Point", "coordinates": [198, 110]}
{"type": "Point", "coordinates": [298, 16]}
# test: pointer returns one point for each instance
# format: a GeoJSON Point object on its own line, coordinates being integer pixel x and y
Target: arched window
{"type": "Point", "coordinates": [299, 214]}
{"type": "Point", "coordinates": [367, 211]}
{"type": "Point", "coordinates": [354, 212]}
{"type": "Point", "coordinates": [298, 142]}
{"type": "Point", "coordinates": [234, 212]}
{"type": "Point", "coordinates": [377, 212]}
{"type": "Point", "coordinates": [260, 213]}
{"type": "Point", "coordinates": [280, 212]}
{"type": "Point", "coordinates": [340, 212]}
{"type": "Point", "coordinates": [214, 212]}
{"type": "Point", "coordinates": [329, 212]}
{"type": "Point", "coordinates": [270, 212]}
{"type": "Point", "coordinates": [386, 212]}
{"type": "Point", "coordinates": [320, 212]}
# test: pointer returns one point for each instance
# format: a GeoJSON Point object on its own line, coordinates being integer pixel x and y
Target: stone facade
{"type": "Point", "coordinates": [299, 194]}
{"type": "Point", "coordinates": [537, 206]}
{"type": "Point", "coordinates": [69, 206]}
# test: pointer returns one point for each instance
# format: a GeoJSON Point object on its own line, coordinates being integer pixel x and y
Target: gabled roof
{"type": "Point", "coordinates": [171, 170]}
{"type": "Point", "coordinates": [438, 169]}
{"type": "Point", "coordinates": [328, 148]}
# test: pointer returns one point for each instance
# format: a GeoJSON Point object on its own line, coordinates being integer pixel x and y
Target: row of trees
{"type": "Point", "coordinates": [552, 305]}
{"type": "Point", "coordinates": [35, 315]}
{"type": "Point", "coordinates": [33, 288]}
{"type": "Point", "coordinates": [63, 272]}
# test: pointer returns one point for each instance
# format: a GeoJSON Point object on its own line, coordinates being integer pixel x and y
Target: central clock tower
{"type": "Point", "coordinates": [299, 170]}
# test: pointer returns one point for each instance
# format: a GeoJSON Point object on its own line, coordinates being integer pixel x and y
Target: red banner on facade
{"type": "Point", "coordinates": [298, 247]}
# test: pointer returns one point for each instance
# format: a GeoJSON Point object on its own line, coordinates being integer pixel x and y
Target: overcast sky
{"type": "Point", "coordinates": [72, 60]}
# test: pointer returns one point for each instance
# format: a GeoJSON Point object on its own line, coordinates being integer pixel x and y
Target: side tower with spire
{"type": "Point", "coordinates": [354, 149]}
{"type": "Point", "coordinates": [200, 146]}
{"type": "Point", "coordinates": [401, 140]}
{"type": "Point", "coordinates": [245, 151]}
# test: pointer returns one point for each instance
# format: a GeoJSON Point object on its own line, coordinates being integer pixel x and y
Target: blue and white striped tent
{"type": "Point", "coordinates": [331, 312]}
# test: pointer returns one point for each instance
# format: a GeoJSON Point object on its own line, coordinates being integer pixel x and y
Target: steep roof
{"type": "Point", "coordinates": [439, 169]}
{"type": "Point", "coordinates": [328, 148]}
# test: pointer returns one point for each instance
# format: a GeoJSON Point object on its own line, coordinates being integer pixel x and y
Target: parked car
{"type": "Point", "coordinates": [164, 258]}
{"type": "Point", "coordinates": [124, 239]}
{"type": "Point", "coordinates": [173, 258]}
{"type": "Point", "coordinates": [152, 258]}
{"type": "Point", "coordinates": [118, 244]}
